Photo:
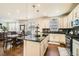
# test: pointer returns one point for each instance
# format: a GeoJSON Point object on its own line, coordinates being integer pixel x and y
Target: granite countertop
{"type": "Point", "coordinates": [73, 36]}
{"type": "Point", "coordinates": [76, 37]}
{"type": "Point", "coordinates": [57, 32]}
{"type": "Point", "coordinates": [33, 38]}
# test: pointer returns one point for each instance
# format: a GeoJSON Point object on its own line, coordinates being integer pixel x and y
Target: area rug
{"type": "Point", "coordinates": [63, 51]}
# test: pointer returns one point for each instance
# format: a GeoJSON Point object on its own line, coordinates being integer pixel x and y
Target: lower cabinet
{"type": "Point", "coordinates": [60, 38]}
{"type": "Point", "coordinates": [44, 45]}
{"type": "Point", "coordinates": [75, 47]}
{"type": "Point", "coordinates": [32, 48]}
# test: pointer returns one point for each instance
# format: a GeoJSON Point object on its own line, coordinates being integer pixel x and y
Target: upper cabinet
{"type": "Point", "coordinates": [63, 22]}
{"type": "Point", "coordinates": [69, 19]}
{"type": "Point", "coordinates": [66, 22]}
{"type": "Point", "coordinates": [74, 14]}
{"type": "Point", "coordinates": [76, 10]}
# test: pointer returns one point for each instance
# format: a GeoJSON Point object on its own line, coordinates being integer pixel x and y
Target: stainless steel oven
{"type": "Point", "coordinates": [69, 44]}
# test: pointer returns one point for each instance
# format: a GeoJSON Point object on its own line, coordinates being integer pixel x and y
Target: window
{"type": "Point", "coordinates": [53, 25]}
{"type": "Point", "coordinates": [13, 26]}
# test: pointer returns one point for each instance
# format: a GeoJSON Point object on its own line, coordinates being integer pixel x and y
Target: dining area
{"type": "Point", "coordinates": [10, 41]}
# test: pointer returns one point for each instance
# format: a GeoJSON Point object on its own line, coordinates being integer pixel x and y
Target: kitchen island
{"type": "Point", "coordinates": [35, 46]}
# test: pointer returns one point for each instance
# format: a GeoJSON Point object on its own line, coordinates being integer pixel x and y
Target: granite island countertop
{"type": "Point", "coordinates": [33, 38]}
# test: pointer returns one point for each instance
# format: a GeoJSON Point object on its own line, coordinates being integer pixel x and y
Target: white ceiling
{"type": "Point", "coordinates": [25, 10]}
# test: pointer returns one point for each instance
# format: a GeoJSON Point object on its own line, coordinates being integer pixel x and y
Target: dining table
{"type": "Point", "coordinates": [13, 37]}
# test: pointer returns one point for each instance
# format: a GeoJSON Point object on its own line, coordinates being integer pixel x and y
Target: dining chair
{"type": "Point", "coordinates": [7, 43]}
{"type": "Point", "coordinates": [19, 41]}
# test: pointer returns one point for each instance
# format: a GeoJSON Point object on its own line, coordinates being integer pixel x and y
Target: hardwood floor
{"type": "Point", "coordinates": [18, 51]}
{"type": "Point", "coordinates": [52, 50]}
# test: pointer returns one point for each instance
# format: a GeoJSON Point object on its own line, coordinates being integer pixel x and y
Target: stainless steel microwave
{"type": "Point", "coordinates": [75, 22]}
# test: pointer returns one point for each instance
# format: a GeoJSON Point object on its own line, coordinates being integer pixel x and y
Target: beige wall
{"type": "Point", "coordinates": [43, 23]}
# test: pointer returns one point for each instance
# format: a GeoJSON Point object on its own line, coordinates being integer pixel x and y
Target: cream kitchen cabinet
{"type": "Point", "coordinates": [62, 38]}
{"type": "Point", "coordinates": [69, 20]}
{"type": "Point", "coordinates": [76, 11]}
{"type": "Point", "coordinates": [44, 45]}
{"type": "Point", "coordinates": [71, 17]}
{"type": "Point", "coordinates": [63, 22]}
{"type": "Point", "coordinates": [59, 38]}
{"type": "Point", "coordinates": [53, 38]}
{"type": "Point", "coordinates": [73, 14]}
{"type": "Point", "coordinates": [33, 48]}
{"type": "Point", "coordinates": [75, 47]}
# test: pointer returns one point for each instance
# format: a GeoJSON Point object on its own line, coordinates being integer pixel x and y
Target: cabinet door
{"type": "Point", "coordinates": [54, 38]}
{"type": "Point", "coordinates": [31, 48]}
{"type": "Point", "coordinates": [75, 48]}
{"type": "Point", "coordinates": [46, 43]}
{"type": "Point", "coordinates": [42, 48]}
{"type": "Point", "coordinates": [63, 22]}
{"type": "Point", "coordinates": [71, 17]}
{"type": "Point", "coordinates": [77, 51]}
{"type": "Point", "coordinates": [62, 38]}
{"type": "Point", "coordinates": [60, 23]}
{"type": "Point", "coordinates": [77, 12]}
{"type": "Point", "coordinates": [69, 20]}
{"type": "Point", "coordinates": [51, 37]}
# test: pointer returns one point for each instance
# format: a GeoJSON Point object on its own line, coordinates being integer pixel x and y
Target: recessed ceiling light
{"type": "Point", "coordinates": [18, 11]}
{"type": "Point", "coordinates": [38, 5]}
{"type": "Point", "coordinates": [9, 13]}
{"type": "Point", "coordinates": [28, 17]}
{"type": "Point", "coordinates": [44, 14]}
